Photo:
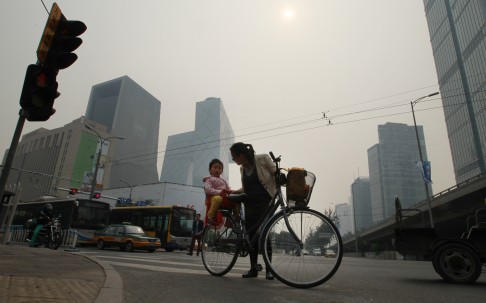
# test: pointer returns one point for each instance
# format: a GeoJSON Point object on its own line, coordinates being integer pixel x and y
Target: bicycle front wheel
{"type": "Point", "coordinates": [219, 249]}
{"type": "Point", "coordinates": [307, 266]}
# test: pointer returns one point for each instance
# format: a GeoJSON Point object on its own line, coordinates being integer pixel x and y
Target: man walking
{"type": "Point", "coordinates": [197, 229]}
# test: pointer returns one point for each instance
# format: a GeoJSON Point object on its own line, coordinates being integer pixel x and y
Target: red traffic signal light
{"type": "Point", "coordinates": [38, 93]}
{"type": "Point", "coordinates": [96, 195]}
{"type": "Point", "coordinates": [59, 40]}
{"type": "Point", "coordinates": [73, 191]}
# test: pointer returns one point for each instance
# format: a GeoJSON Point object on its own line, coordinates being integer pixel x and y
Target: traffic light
{"type": "Point", "coordinates": [96, 195]}
{"type": "Point", "coordinates": [59, 40]}
{"type": "Point", "coordinates": [73, 191]}
{"type": "Point", "coordinates": [38, 93]}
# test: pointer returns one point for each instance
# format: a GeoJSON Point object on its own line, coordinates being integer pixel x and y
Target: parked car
{"type": "Point", "coordinates": [125, 236]}
{"type": "Point", "coordinates": [330, 253]}
{"type": "Point", "coordinates": [317, 252]}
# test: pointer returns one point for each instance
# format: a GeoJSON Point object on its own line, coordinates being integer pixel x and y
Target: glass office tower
{"type": "Point", "coordinates": [457, 34]}
{"type": "Point", "coordinates": [187, 155]}
{"type": "Point", "coordinates": [393, 170]}
{"type": "Point", "coordinates": [361, 203]}
{"type": "Point", "coordinates": [128, 111]}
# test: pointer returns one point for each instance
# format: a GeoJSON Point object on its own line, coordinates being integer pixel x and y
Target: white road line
{"type": "Point", "coordinates": [168, 269]}
{"type": "Point", "coordinates": [151, 261]}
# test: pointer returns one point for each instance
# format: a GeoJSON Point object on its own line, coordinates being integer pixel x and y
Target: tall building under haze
{"type": "Point", "coordinates": [458, 38]}
{"type": "Point", "coordinates": [128, 111]}
{"type": "Point", "coordinates": [361, 203]}
{"type": "Point", "coordinates": [393, 169]}
{"type": "Point", "coordinates": [187, 155]}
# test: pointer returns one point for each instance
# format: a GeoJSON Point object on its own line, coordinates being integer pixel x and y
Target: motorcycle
{"type": "Point", "coordinates": [50, 235]}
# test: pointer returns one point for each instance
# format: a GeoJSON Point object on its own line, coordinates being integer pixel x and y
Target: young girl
{"type": "Point", "coordinates": [216, 188]}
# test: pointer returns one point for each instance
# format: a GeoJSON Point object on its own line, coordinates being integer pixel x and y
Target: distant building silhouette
{"type": "Point", "coordinates": [187, 155]}
{"type": "Point", "coordinates": [345, 214]}
{"type": "Point", "coordinates": [393, 170]}
{"type": "Point", "coordinates": [361, 203]}
{"type": "Point", "coordinates": [457, 35]}
{"type": "Point", "coordinates": [129, 111]}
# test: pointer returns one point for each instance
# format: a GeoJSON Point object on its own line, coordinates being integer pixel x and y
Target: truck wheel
{"type": "Point", "coordinates": [457, 263]}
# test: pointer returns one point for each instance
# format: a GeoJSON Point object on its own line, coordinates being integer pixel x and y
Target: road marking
{"type": "Point", "coordinates": [170, 269]}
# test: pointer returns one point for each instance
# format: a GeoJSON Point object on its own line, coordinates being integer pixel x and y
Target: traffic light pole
{"type": "Point", "coordinates": [11, 154]}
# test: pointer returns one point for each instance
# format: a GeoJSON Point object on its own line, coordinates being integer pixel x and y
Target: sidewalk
{"type": "Point", "coordinates": [44, 275]}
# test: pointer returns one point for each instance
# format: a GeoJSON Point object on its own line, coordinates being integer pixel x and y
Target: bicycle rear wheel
{"type": "Point", "coordinates": [219, 249]}
{"type": "Point", "coordinates": [296, 266]}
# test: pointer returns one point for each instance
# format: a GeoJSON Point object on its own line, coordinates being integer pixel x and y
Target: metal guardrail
{"type": "Point", "coordinates": [19, 235]}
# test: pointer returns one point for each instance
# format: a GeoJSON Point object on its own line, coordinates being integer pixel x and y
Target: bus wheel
{"type": "Point", "coordinates": [151, 250]}
{"type": "Point", "coordinates": [129, 246]}
{"type": "Point", "coordinates": [457, 263]}
{"type": "Point", "coordinates": [101, 244]}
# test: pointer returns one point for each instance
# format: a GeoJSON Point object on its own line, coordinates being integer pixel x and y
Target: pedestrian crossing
{"type": "Point", "coordinates": [163, 262]}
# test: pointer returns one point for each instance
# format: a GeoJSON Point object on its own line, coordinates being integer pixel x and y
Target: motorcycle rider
{"type": "Point", "coordinates": [41, 218]}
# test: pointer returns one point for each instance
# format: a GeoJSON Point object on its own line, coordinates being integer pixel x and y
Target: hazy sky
{"type": "Point", "coordinates": [277, 66]}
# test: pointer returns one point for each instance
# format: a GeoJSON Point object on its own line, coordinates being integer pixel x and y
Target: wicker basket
{"type": "Point", "coordinates": [299, 186]}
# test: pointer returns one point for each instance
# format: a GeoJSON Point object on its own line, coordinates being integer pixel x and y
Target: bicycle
{"type": "Point", "coordinates": [286, 237]}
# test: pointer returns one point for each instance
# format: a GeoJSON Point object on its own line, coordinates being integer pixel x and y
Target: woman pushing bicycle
{"type": "Point", "coordinates": [258, 183]}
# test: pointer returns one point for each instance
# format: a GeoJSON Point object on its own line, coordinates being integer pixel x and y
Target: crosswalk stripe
{"type": "Point", "coordinates": [168, 269]}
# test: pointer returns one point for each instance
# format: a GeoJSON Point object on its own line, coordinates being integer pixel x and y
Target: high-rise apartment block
{"type": "Point", "coordinates": [128, 111]}
{"type": "Point", "coordinates": [393, 169]}
{"type": "Point", "coordinates": [458, 38]}
{"type": "Point", "coordinates": [187, 155]}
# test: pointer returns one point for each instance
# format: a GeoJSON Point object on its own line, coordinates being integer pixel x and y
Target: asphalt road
{"type": "Point", "coordinates": [165, 277]}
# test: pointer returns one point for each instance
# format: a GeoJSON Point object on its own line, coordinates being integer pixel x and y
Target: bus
{"type": "Point", "coordinates": [171, 224]}
{"type": "Point", "coordinates": [81, 215]}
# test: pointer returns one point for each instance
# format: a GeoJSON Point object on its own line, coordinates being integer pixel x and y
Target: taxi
{"type": "Point", "coordinates": [125, 236]}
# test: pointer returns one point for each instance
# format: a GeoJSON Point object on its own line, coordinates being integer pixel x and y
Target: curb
{"type": "Point", "coordinates": [112, 290]}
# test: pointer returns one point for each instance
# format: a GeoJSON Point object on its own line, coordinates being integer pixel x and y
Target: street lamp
{"type": "Point", "coordinates": [412, 103]}
{"type": "Point", "coordinates": [102, 142]}
{"type": "Point", "coordinates": [130, 198]}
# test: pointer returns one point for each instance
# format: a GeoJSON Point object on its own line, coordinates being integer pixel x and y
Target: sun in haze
{"type": "Point", "coordinates": [288, 13]}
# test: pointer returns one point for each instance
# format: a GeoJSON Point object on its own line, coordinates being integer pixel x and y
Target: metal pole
{"type": "Point", "coordinates": [421, 157]}
{"type": "Point", "coordinates": [93, 183]}
{"type": "Point", "coordinates": [102, 142]}
{"type": "Point", "coordinates": [130, 198]}
{"type": "Point", "coordinates": [354, 216]}
{"type": "Point", "coordinates": [10, 157]}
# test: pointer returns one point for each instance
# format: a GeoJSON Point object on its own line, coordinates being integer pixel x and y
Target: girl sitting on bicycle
{"type": "Point", "coordinates": [258, 181]}
{"type": "Point", "coordinates": [216, 189]}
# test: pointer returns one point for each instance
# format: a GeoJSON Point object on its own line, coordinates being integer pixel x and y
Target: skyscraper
{"type": "Point", "coordinates": [393, 170]}
{"type": "Point", "coordinates": [187, 155]}
{"type": "Point", "coordinates": [361, 203]}
{"type": "Point", "coordinates": [457, 34]}
{"type": "Point", "coordinates": [344, 214]}
{"type": "Point", "coordinates": [129, 111]}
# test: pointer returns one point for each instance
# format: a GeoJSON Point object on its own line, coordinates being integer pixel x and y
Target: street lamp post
{"type": "Point", "coordinates": [102, 141]}
{"type": "Point", "coordinates": [130, 198]}
{"type": "Point", "coordinates": [412, 103]}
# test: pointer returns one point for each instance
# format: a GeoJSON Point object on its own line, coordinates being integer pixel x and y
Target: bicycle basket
{"type": "Point", "coordinates": [299, 186]}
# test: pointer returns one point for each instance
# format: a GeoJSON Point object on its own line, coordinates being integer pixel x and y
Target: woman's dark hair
{"type": "Point", "coordinates": [214, 161]}
{"type": "Point", "coordinates": [246, 150]}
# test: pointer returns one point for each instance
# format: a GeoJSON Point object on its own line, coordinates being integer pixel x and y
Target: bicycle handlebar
{"type": "Point", "coordinates": [275, 159]}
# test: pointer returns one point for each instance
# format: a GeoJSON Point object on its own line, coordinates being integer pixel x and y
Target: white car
{"type": "Point", "coordinates": [317, 252]}
{"type": "Point", "coordinates": [330, 253]}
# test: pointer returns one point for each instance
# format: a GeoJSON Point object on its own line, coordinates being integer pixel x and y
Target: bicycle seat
{"type": "Point", "coordinates": [237, 197]}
